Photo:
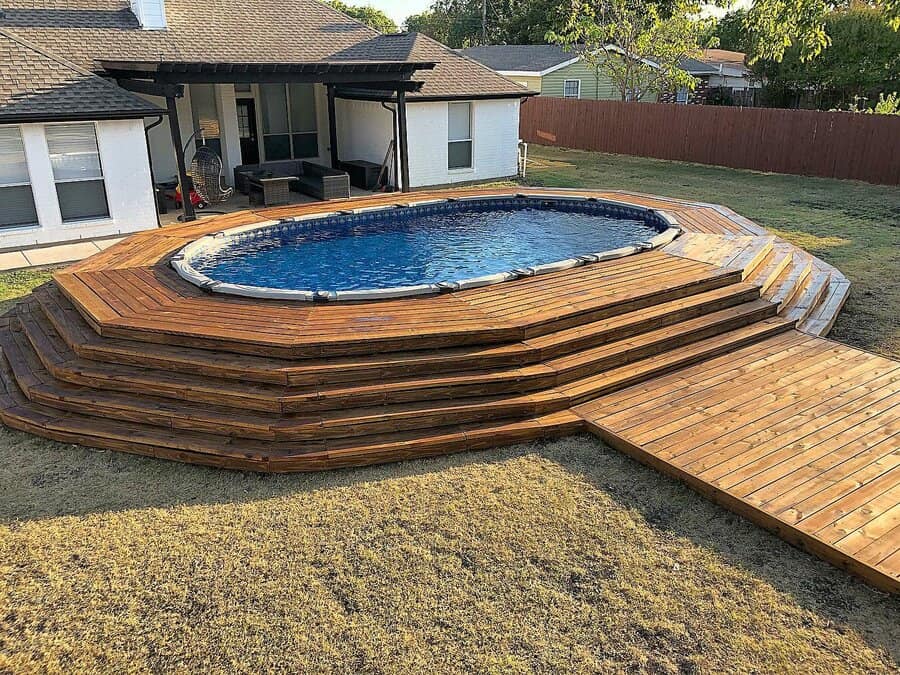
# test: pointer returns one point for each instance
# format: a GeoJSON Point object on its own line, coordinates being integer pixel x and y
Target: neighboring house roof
{"type": "Point", "coordinates": [696, 68]}
{"type": "Point", "coordinates": [724, 56]}
{"type": "Point", "coordinates": [534, 59]}
{"type": "Point", "coordinates": [37, 86]}
{"type": "Point", "coordinates": [90, 32]}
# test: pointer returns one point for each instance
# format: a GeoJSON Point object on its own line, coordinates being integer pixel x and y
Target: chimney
{"type": "Point", "coordinates": [150, 13]}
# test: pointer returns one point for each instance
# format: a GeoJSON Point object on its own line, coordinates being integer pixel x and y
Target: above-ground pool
{"type": "Point", "coordinates": [424, 247]}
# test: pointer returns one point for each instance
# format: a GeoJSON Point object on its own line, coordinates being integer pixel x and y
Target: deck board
{"type": "Point", "coordinates": [799, 441]}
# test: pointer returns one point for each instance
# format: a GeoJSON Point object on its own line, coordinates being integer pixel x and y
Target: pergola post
{"type": "Point", "coordinates": [332, 128]}
{"type": "Point", "coordinates": [175, 130]}
{"type": "Point", "coordinates": [401, 131]}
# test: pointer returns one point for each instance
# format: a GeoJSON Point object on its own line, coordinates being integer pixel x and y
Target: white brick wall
{"type": "Point", "coordinates": [495, 136]}
{"type": "Point", "coordinates": [126, 171]}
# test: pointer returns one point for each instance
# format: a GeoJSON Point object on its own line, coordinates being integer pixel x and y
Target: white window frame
{"type": "Point", "coordinates": [578, 92]}
{"type": "Point", "coordinates": [28, 183]}
{"type": "Point", "coordinates": [470, 140]}
{"type": "Point", "coordinates": [682, 95]}
{"type": "Point", "coordinates": [90, 220]}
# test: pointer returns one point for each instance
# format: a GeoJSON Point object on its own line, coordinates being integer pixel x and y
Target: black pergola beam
{"type": "Point", "coordinates": [151, 88]}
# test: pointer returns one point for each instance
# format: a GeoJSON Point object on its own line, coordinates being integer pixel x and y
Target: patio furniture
{"type": "Point", "coordinates": [363, 174]}
{"type": "Point", "coordinates": [206, 175]}
{"type": "Point", "coordinates": [287, 167]}
{"type": "Point", "coordinates": [313, 179]}
{"type": "Point", "coordinates": [269, 189]}
{"type": "Point", "coordinates": [324, 182]}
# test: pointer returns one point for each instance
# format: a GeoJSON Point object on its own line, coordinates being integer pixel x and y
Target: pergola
{"type": "Point", "coordinates": [379, 80]}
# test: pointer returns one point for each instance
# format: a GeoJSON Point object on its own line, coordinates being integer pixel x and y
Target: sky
{"type": "Point", "coordinates": [398, 10]}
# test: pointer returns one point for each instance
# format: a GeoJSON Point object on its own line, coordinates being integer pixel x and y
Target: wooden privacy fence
{"type": "Point", "coordinates": [805, 142]}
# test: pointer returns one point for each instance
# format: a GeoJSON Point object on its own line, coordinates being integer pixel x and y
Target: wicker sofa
{"type": "Point", "coordinates": [313, 179]}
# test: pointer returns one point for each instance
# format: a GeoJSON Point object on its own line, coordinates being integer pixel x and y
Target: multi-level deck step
{"type": "Point", "coordinates": [772, 266]}
{"type": "Point", "coordinates": [354, 420]}
{"type": "Point", "coordinates": [18, 412]}
{"type": "Point", "coordinates": [55, 356]}
{"type": "Point", "coordinates": [497, 314]}
{"type": "Point", "coordinates": [79, 337]}
{"type": "Point", "coordinates": [790, 281]}
{"type": "Point", "coordinates": [808, 297]}
{"type": "Point", "coordinates": [822, 317]}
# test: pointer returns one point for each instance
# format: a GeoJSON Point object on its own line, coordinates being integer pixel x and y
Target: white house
{"type": "Point", "coordinates": [95, 96]}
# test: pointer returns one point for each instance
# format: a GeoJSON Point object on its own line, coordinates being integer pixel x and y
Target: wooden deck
{"type": "Point", "coordinates": [119, 352]}
{"type": "Point", "coordinates": [798, 433]}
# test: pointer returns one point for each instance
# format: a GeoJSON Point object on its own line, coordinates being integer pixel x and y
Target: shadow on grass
{"type": "Point", "coordinates": [48, 480]}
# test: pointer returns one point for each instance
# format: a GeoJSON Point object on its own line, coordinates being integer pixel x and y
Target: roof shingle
{"type": "Point", "coordinates": [38, 86]}
{"type": "Point", "coordinates": [253, 31]}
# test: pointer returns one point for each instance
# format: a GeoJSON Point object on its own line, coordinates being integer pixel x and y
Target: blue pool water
{"type": "Point", "coordinates": [424, 244]}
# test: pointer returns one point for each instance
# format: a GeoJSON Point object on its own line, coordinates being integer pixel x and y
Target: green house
{"type": "Point", "coordinates": [549, 70]}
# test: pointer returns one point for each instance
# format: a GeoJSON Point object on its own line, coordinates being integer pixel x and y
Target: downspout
{"type": "Point", "coordinates": [159, 119]}
{"type": "Point", "coordinates": [395, 157]}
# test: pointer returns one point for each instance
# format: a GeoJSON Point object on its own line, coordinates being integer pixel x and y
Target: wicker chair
{"type": "Point", "coordinates": [206, 174]}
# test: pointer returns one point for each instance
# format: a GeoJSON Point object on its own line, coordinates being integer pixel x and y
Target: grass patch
{"type": "Point", "coordinates": [854, 226]}
{"type": "Point", "coordinates": [559, 556]}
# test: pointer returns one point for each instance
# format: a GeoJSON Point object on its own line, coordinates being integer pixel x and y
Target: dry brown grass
{"type": "Point", "coordinates": [545, 557]}
{"type": "Point", "coordinates": [562, 556]}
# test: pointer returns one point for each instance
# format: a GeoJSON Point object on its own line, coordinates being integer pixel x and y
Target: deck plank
{"type": "Point", "coordinates": [809, 451]}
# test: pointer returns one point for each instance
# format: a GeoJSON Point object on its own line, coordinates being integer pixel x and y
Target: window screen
{"type": "Point", "coordinates": [459, 140]}
{"type": "Point", "coordinates": [75, 158]}
{"type": "Point", "coordinates": [16, 200]}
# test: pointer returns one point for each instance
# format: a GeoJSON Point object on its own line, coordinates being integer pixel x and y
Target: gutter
{"type": "Point", "coordinates": [159, 119]}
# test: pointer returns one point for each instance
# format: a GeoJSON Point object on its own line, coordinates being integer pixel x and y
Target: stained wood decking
{"type": "Point", "coordinates": [800, 434]}
{"type": "Point", "coordinates": [119, 352]}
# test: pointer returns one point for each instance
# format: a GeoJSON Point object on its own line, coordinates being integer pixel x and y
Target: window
{"type": "Point", "coordinates": [16, 200]}
{"type": "Point", "coordinates": [459, 138]}
{"type": "Point", "coordinates": [289, 121]}
{"type": "Point", "coordinates": [681, 96]}
{"type": "Point", "coordinates": [75, 158]}
{"type": "Point", "coordinates": [572, 89]}
{"type": "Point", "coordinates": [205, 114]}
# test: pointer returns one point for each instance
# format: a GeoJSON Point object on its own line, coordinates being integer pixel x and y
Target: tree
{"type": "Point", "coordinates": [730, 31]}
{"type": "Point", "coordinates": [777, 25]}
{"type": "Point", "coordinates": [862, 62]}
{"type": "Point", "coordinates": [639, 46]}
{"type": "Point", "coordinates": [431, 23]}
{"type": "Point", "coordinates": [374, 18]}
{"type": "Point", "coordinates": [458, 23]}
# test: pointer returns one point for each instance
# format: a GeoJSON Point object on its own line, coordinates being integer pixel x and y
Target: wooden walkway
{"type": "Point", "coordinates": [799, 434]}
{"type": "Point", "coordinates": [692, 344]}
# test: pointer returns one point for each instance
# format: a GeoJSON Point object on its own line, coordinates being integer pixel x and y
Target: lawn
{"type": "Point", "coordinates": [549, 557]}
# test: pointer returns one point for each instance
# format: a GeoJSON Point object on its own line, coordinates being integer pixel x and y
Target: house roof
{"type": "Point", "coordinates": [519, 58]}
{"type": "Point", "coordinates": [90, 32]}
{"type": "Point", "coordinates": [37, 86]}
{"type": "Point", "coordinates": [695, 67]}
{"type": "Point", "coordinates": [724, 56]}
{"type": "Point", "coordinates": [454, 75]}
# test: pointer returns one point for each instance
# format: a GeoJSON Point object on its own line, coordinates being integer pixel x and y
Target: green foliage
{"type": "Point", "coordinates": [458, 23]}
{"type": "Point", "coordinates": [885, 105]}
{"type": "Point", "coordinates": [775, 26]}
{"type": "Point", "coordinates": [730, 32]}
{"type": "Point", "coordinates": [862, 62]}
{"type": "Point", "coordinates": [374, 18]}
{"type": "Point", "coordinates": [638, 45]}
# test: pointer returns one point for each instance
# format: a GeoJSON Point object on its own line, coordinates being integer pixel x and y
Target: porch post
{"type": "Point", "coordinates": [332, 127]}
{"type": "Point", "coordinates": [175, 129]}
{"type": "Point", "coordinates": [404, 150]}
